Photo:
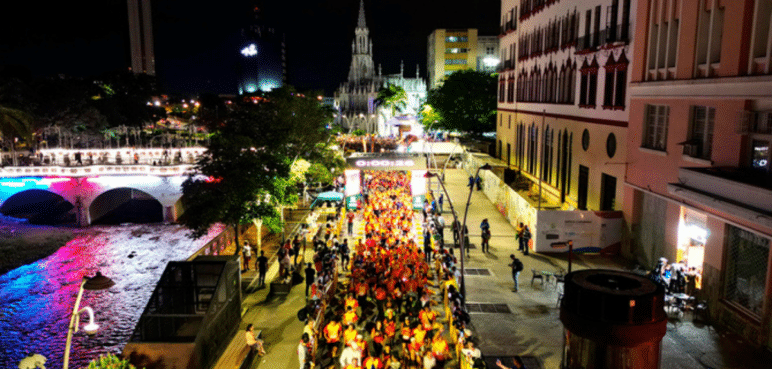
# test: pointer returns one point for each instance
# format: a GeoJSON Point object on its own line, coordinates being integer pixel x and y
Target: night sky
{"type": "Point", "coordinates": [196, 41]}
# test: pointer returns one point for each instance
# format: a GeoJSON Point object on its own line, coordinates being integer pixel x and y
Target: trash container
{"type": "Point", "coordinates": [612, 319]}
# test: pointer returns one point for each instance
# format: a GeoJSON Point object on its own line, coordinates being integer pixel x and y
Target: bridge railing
{"type": "Point", "coordinates": [119, 156]}
{"type": "Point", "coordinates": [96, 170]}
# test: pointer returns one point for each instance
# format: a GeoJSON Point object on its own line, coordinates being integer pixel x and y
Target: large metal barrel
{"type": "Point", "coordinates": [612, 319]}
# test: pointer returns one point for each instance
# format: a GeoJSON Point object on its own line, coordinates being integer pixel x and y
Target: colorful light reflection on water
{"type": "Point", "coordinates": [36, 299]}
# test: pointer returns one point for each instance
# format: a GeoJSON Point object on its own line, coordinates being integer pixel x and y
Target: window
{"type": "Point", "coordinates": [596, 28]}
{"type": "Point", "coordinates": [616, 83]}
{"type": "Point", "coordinates": [455, 61]}
{"type": "Point", "coordinates": [456, 39]}
{"type": "Point", "coordinates": [700, 140]}
{"type": "Point", "coordinates": [511, 89]}
{"type": "Point", "coordinates": [760, 48]}
{"type": "Point", "coordinates": [709, 35]}
{"type": "Point", "coordinates": [612, 15]}
{"type": "Point", "coordinates": [611, 145]}
{"type": "Point", "coordinates": [655, 129]}
{"type": "Point", "coordinates": [456, 50]}
{"type": "Point", "coordinates": [585, 139]}
{"type": "Point", "coordinates": [746, 268]}
{"type": "Point", "coordinates": [489, 50]}
{"type": "Point", "coordinates": [589, 85]}
{"type": "Point", "coordinates": [502, 85]}
{"type": "Point", "coordinates": [509, 121]}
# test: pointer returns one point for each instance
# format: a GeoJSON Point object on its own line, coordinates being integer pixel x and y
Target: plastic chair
{"type": "Point", "coordinates": [537, 275]}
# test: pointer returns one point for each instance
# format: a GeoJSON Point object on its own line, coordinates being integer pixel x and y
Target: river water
{"type": "Point", "coordinates": [36, 299]}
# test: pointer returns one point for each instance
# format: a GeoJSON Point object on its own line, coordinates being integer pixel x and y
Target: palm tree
{"type": "Point", "coordinates": [392, 97]}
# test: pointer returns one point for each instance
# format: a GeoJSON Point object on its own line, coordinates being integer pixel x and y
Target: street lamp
{"type": "Point", "coordinates": [458, 229]}
{"type": "Point", "coordinates": [462, 240]}
{"type": "Point", "coordinates": [95, 283]}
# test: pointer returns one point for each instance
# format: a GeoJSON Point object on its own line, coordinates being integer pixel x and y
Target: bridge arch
{"type": "Point", "coordinates": [39, 206]}
{"type": "Point", "coordinates": [125, 205]}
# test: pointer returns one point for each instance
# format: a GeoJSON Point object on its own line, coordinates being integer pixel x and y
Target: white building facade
{"type": "Point", "coordinates": [562, 97]}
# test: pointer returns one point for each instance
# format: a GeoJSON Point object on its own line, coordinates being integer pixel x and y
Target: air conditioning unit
{"type": "Point", "coordinates": [692, 150]}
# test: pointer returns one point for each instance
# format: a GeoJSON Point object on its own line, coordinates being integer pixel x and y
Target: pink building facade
{"type": "Point", "coordinates": [698, 186]}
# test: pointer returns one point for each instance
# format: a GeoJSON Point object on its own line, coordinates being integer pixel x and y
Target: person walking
{"type": "Point", "coordinates": [440, 225]}
{"type": "Point", "coordinates": [246, 252]}
{"type": "Point", "coordinates": [303, 350]}
{"type": "Point", "coordinates": [517, 267]}
{"type": "Point", "coordinates": [296, 248]}
{"type": "Point", "coordinates": [345, 252]}
{"type": "Point", "coordinates": [526, 238]}
{"type": "Point", "coordinates": [350, 218]}
{"type": "Point", "coordinates": [310, 275]}
{"type": "Point", "coordinates": [486, 237]}
{"type": "Point", "coordinates": [262, 267]}
{"type": "Point", "coordinates": [485, 227]}
{"type": "Point", "coordinates": [519, 236]}
{"type": "Point", "coordinates": [440, 201]}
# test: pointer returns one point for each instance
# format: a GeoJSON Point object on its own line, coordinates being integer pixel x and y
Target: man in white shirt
{"type": "Point", "coordinates": [303, 350]}
{"type": "Point", "coordinates": [246, 252]}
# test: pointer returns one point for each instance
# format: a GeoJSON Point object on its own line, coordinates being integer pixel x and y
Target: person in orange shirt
{"type": "Point", "coordinates": [372, 362]}
{"type": "Point", "coordinates": [332, 332]}
{"type": "Point", "coordinates": [350, 316]}
{"type": "Point", "coordinates": [351, 301]}
{"type": "Point", "coordinates": [427, 316]}
{"type": "Point", "coordinates": [390, 330]}
{"type": "Point", "coordinates": [440, 350]}
{"type": "Point", "coordinates": [349, 335]}
{"type": "Point", "coordinates": [414, 350]}
{"type": "Point", "coordinates": [406, 333]}
{"type": "Point", "coordinates": [419, 333]}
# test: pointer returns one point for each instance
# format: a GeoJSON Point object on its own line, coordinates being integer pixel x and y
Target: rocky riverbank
{"type": "Point", "coordinates": [22, 243]}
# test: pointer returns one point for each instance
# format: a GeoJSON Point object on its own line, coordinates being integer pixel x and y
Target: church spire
{"type": "Point", "coordinates": [361, 22]}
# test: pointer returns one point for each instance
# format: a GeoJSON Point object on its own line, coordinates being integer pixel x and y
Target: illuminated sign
{"type": "Point", "coordinates": [384, 163]}
{"type": "Point", "coordinates": [250, 50]}
{"type": "Point", "coordinates": [387, 162]}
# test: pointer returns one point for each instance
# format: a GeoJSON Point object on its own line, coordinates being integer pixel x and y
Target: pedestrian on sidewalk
{"type": "Point", "coordinates": [345, 252]}
{"type": "Point", "coordinates": [517, 267]}
{"type": "Point", "coordinates": [246, 252]}
{"type": "Point", "coordinates": [296, 248]}
{"type": "Point", "coordinates": [310, 275]}
{"type": "Point", "coordinates": [519, 236]}
{"type": "Point", "coordinates": [486, 237]}
{"type": "Point", "coordinates": [440, 200]}
{"type": "Point", "coordinates": [262, 267]}
{"type": "Point", "coordinates": [526, 238]}
{"type": "Point", "coordinates": [440, 224]}
{"type": "Point", "coordinates": [485, 227]}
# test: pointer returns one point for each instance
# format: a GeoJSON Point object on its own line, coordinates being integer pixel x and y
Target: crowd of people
{"type": "Point", "coordinates": [382, 312]}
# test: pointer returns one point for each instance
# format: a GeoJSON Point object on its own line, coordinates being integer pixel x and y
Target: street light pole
{"type": "Point", "coordinates": [462, 238]}
{"type": "Point", "coordinates": [95, 283]}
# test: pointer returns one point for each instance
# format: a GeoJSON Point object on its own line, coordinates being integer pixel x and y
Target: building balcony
{"type": "Point", "coordinates": [742, 192]}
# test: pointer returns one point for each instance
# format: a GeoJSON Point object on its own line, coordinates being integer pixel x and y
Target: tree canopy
{"type": "Point", "coordinates": [392, 97]}
{"type": "Point", "coordinates": [245, 173]}
{"type": "Point", "coordinates": [465, 102]}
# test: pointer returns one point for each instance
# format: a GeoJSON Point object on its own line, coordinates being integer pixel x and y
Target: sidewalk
{"type": "Point", "coordinates": [533, 327]}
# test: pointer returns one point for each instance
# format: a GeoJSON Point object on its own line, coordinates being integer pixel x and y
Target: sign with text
{"type": "Point", "coordinates": [387, 162]}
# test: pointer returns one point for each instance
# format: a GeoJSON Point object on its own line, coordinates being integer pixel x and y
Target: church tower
{"type": "Point", "coordinates": [361, 50]}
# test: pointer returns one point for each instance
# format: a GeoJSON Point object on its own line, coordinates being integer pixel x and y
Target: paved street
{"type": "Point", "coordinates": [532, 329]}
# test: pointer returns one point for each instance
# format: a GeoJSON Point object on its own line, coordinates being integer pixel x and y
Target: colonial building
{"type": "Point", "coordinates": [699, 188]}
{"type": "Point", "coordinates": [355, 99]}
{"type": "Point", "coordinates": [562, 97]}
{"type": "Point", "coordinates": [450, 50]}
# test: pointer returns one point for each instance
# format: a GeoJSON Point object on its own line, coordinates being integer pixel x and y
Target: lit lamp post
{"type": "Point", "coordinates": [462, 239]}
{"type": "Point", "coordinates": [95, 283]}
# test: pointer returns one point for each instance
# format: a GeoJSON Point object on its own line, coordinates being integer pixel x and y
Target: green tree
{"type": "Point", "coordinates": [109, 361]}
{"type": "Point", "coordinates": [466, 101]}
{"type": "Point", "coordinates": [245, 174]}
{"type": "Point", "coordinates": [243, 159]}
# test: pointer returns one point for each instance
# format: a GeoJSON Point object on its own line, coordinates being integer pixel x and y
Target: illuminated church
{"type": "Point", "coordinates": [355, 99]}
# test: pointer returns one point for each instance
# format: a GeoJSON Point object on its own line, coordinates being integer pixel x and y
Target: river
{"type": "Point", "coordinates": [36, 299]}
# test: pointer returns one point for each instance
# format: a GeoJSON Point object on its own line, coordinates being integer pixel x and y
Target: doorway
{"type": "Point", "coordinates": [608, 192]}
{"type": "Point", "coordinates": [581, 197]}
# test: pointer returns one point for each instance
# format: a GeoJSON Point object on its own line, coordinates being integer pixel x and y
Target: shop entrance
{"type": "Point", "coordinates": [692, 235]}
